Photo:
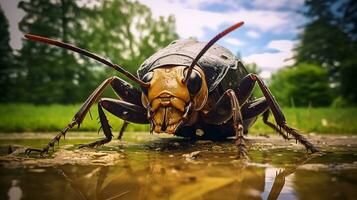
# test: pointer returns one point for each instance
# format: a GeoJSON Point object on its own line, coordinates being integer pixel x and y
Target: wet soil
{"type": "Point", "coordinates": [144, 166]}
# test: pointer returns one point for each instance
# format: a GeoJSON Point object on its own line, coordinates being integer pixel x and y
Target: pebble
{"type": "Point", "coordinates": [216, 148]}
{"type": "Point", "coordinates": [192, 155]}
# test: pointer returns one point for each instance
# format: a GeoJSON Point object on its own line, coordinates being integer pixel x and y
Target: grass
{"type": "Point", "coordinates": [53, 118]}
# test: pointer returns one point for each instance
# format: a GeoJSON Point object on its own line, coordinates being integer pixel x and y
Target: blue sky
{"type": "Point", "coordinates": [267, 38]}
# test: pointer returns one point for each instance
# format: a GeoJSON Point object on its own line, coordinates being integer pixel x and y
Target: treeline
{"type": "Point", "coordinates": [122, 30]}
{"type": "Point", "coordinates": [325, 72]}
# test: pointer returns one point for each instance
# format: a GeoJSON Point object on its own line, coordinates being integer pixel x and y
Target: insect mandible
{"type": "Point", "coordinates": [190, 89]}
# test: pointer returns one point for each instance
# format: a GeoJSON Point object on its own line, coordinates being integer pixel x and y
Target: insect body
{"type": "Point", "coordinates": [190, 88]}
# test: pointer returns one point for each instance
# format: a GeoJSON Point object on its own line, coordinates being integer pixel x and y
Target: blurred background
{"type": "Point", "coordinates": [305, 50]}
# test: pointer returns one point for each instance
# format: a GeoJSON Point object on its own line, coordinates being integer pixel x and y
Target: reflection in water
{"type": "Point", "coordinates": [15, 192]}
{"type": "Point", "coordinates": [158, 169]}
{"type": "Point", "coordinates": [159, 178]}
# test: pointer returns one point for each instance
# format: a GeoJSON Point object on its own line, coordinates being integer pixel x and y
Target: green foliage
{"type": "Point", "coordinates": [124, 31]}
{"type": "Point", "coordinates": [49, 74]}
{"type": "Point", "coordinates": [301, 85]}
{"type": "Point", "coordinates": [317, 120]}
{"type": "Point", "coordinates": [330, 41]}
{"type": "Point", "coordinates": [254, 69]}
{"type": "Point", "coordinates": [53, 118]}
{"type": "Point", "coordinates": [6, 56]}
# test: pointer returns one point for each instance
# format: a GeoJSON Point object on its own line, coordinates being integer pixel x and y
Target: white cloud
{"type": "Point", "coordinates": [263, 4]}
{"type": "Point", "coordinates": [14, 16]}
{"type": "Point", "coordinates": [271, 62]}
{"type": "Point", "coordinates": [196, 4]}
{"type": "Point", "coordinates": [234, 41]}
{"type": "Point", "coordinates": [281, 45]}
{"type": "Point", "coordinates": [190, 21]}
{"type": "Point", "coordinates": [253, 34]}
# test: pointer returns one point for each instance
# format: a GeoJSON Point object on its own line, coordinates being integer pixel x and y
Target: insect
{"type": "Point", "coordinates": [190, 89]}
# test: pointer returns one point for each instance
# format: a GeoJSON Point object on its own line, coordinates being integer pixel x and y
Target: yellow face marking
{"type": "Point", "coordinates": [168, 80]}
{"type": "Point", "coordinates": [168, 96]}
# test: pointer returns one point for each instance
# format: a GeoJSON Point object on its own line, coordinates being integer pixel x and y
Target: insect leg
{"type": "Point", "coordinates": [77, 119]}
{"type": "Point", "coordinates": [237, 124]}
{"type": "Point", "coordinates": [257, 107]}
{"type": "Point", "coordinates": [273, 126]}
{"type": "Point", "coordinates": [254, 108]}
{"type": "Point", "coordinates": [123, 127]}
{"type": "Point", "coordinates": [80, 115]}
{"type": "Point", "coordinates": [279, 116]}
{"type": "Point", "coordinates": [245, 90]}
{"type": "Point", "coordinates": [124, 110]}
{"type": "Point", "coordinates": [225, 109]}
{"type": "Point", "coordinates": [221, 112]}
{"type": "Point", "coordinates": [104, 126]}
{"type": "Point", "coordinates": [127, 93]}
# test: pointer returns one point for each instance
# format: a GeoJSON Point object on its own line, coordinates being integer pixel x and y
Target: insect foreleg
{"type": "Point", "coordinates": [127, 93]}
{"type": "Point", "coordinates": [123, 127]}
{"type": "Point", "coordinates": [124, 110]}
{"type": "Point", "coordinates": [122, 88]}
{"type": "Point", "coordinates": [104, 125]}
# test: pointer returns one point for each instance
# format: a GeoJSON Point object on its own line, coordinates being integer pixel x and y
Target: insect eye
{"type": "Point", "coordinates": [147, 78]}
{"type": "Point", "coordinates": [194, 83]}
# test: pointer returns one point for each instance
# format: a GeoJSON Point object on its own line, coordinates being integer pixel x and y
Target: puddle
{"type": "Point", "coordinates": [145, 166]}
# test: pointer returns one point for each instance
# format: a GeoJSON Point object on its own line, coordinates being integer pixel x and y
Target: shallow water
{"type": "Point", "coordinates": [152, 167]}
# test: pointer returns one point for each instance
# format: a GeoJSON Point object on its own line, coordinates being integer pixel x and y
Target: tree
{"type": "Point", "coordinates": [302, 85]}
{"type": "Point", "coordinates": [6, 56]}
{"type": "Point", "coordinates": [52, 74]}
{"type": "Point", "coordinates": [329, 40]}
{"type": "Point", "coordinates": [126, 32]}
{"type": "Point", "coordinates": [253, 68]}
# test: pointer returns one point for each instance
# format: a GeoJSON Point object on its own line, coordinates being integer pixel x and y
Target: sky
{"type": "Point", "coordinates": [267, 37]}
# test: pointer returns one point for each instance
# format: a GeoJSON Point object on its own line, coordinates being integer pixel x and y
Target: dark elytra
{"type": "Point", "coordinates": [215, 63]}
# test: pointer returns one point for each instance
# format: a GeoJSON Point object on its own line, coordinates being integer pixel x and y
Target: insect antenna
{"type": "Point", "coordinates": [88, 54]}
{"type": "Point", "coordinates": [208, 45]}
